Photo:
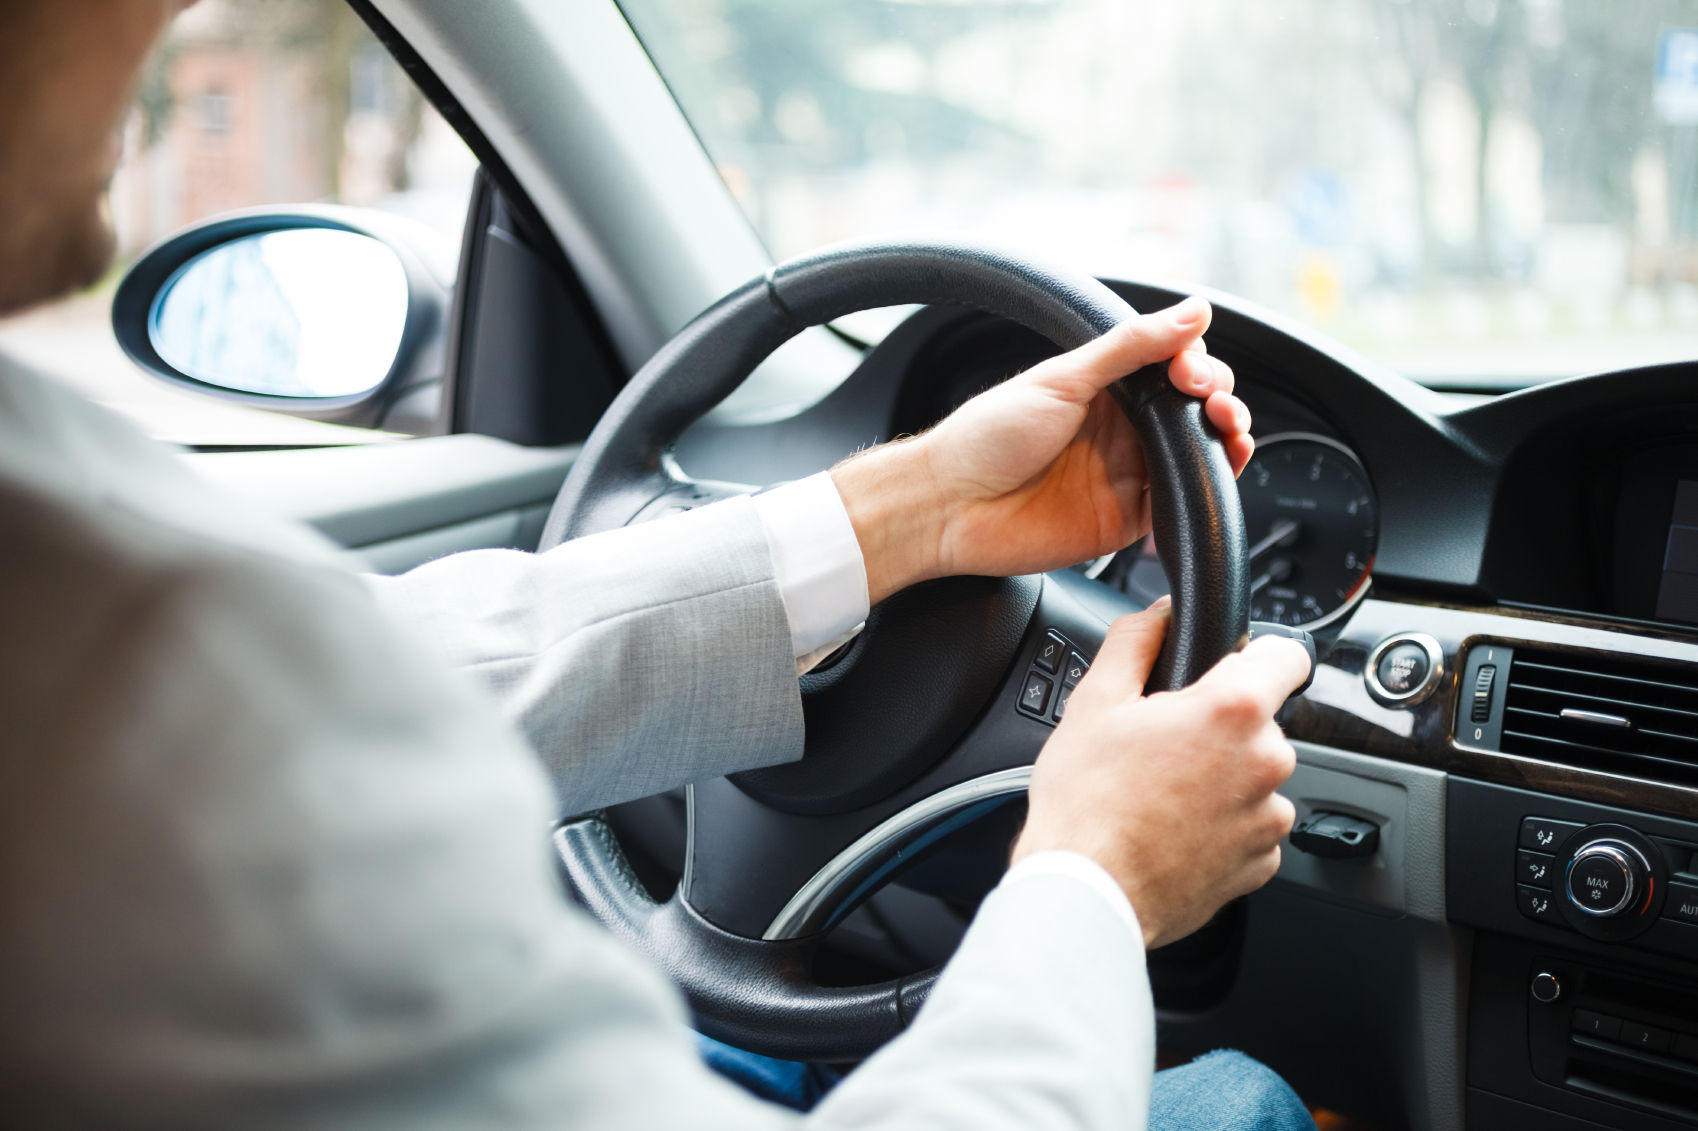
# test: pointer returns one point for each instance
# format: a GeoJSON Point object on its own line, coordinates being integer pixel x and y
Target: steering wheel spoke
{"type": "Point", "coordinates": [762, 872]}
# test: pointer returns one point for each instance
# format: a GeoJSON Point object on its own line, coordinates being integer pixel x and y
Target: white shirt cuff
{"type": "Point", "coordinates": [1081, 868]}
{"type": "Point", "coordinates": [817, 563]}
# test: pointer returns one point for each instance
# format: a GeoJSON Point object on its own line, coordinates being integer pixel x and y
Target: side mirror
{"type": "Point", "coordinates": [328, 313]}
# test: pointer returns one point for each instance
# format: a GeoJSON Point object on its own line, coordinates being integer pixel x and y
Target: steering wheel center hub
{"type": "Point", "coordinates": [921, 672]}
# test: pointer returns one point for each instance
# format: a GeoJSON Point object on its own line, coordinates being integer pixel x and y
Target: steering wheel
{"type": "Point", "coordinates": [916, 730]}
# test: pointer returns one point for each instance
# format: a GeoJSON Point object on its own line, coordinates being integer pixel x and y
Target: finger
{"type": "Point", "coordinates": [1270, 759]}
{"type": "Point", "coordinates": [1129, 651]}
{"type": "Point", "coordinates": [1239, 449]}
{"type": "Point", "coordinates": [1139, 341]}
{"type": "Point", "coordinates": [1194, 374]}
{"type": "Point", "coordinates": [1229, 415]}
{"type": "Point", "coordinates": [1257, 871]}
{"type": "Point", "coordinates": [1257, 680]}
{"type": "Point", "coordinates": [1200, 375]}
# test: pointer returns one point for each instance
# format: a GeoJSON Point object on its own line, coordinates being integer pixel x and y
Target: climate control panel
{"type": "Point", "coordinates": [1593, 871]}
{"type": "Point", "coordinates": [1606, 881]}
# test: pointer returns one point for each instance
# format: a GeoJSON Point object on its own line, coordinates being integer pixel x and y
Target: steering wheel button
{"type": "Point", "coordinates": [1034, 696]}
{"type": "Point", "coordinates": [1062, 695]}
{"type": "Point", "coordinates": [1076, 669]}
{"type": "Point", "coordinates": [1050, 652]}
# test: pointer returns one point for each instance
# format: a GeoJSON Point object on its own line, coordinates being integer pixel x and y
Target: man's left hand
{"type": "Point", "coordinates": [1038, 473]}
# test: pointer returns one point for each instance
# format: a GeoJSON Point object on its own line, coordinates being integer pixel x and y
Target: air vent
{"type": "Point", "coordinates": [1604, 713]}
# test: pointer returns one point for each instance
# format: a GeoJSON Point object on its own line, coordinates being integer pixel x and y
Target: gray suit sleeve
{"type": "Point", "coordinates": [635, 660]}
{"type": "Point", "coordinates": [268, 866]}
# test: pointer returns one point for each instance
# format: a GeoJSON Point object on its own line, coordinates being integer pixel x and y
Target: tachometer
{"type": "Point", "coordinates": [1313, 527]}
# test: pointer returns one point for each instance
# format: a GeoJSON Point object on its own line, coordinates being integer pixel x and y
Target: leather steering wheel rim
{"type": "Point", "coordinates": [757, 993]}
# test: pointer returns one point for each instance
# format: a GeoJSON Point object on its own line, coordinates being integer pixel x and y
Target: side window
{"type": "Point", "coordinates": [246, 103]}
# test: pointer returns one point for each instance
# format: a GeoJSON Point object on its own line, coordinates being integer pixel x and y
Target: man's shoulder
{"type": "Point", "coordinates": [80, 458]}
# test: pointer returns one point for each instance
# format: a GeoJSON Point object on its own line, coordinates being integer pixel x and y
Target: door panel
{"type": "Point", "coordinates": [398, 504]}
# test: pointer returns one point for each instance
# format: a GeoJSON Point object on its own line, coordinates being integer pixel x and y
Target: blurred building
{"type": "Point", "coordinates": [254, 102]}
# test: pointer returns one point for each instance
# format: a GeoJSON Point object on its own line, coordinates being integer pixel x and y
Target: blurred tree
{"type": "Point", "coordinates": [327, 31]}
{"type": "Point", "coordinates": [797, 105]}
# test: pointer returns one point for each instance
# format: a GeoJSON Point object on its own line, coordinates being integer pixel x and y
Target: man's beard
{"type": "Point", "coordinates": [57, 256]}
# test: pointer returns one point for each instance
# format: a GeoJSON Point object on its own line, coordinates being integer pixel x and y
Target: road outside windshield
{"type": "Point", "coordinates": [1468, 190]}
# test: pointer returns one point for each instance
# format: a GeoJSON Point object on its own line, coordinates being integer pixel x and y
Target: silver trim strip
{"type": "Point", "coordinates": [1575, 714]}
{"type": "Point", "coordinates": [811, 907]}
{"type": "Point", "coordinates": [687, 880]}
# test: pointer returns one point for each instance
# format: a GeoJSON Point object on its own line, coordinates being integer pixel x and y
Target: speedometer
{"type": "Point", "coordinates": [1313, 527]}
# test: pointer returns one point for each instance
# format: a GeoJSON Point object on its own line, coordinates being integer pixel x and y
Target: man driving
{"type": "Point", "coordinates": [274, 846]}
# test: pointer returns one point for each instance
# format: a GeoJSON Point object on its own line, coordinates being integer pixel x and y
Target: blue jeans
{"type": "Point", "coordinates": [1219, 1091]}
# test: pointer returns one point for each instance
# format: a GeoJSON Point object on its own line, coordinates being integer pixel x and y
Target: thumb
{"type": "Point", "coordinates": [1141, 340]}
{"type": "Point", "coordinates": [1129, 651]}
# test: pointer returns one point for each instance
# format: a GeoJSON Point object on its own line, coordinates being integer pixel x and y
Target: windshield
{"type": "Point", "coordinates": [1468, 190]}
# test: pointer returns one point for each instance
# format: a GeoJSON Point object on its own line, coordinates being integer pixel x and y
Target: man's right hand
{"type": "Point", "coordinates": [1172, 793]}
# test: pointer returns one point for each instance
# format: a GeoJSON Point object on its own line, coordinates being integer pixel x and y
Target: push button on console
{"type": "Point", "coordinates": [1402, 668]}
{"type": "Point", "coordinates": [1682, 903]}
{"type": "Point", "coordinates": [1645, 1037]}
{"type": "Point", "coordinates": [1050, 653]}
{"type": "Point", "coordinates": [1533, 868]}
{"type": "Point", "coordinates": [1599, 884]}
{"type": "Point", "coordinates": [1542, 834]}
{"type": "Point", "coordinates": [1597, 1025]}
{"type": "Point", "coordinates": [1538, 904]}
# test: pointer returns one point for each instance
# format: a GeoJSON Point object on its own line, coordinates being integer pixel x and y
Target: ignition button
{"type": "Point", "coordinates": [1404, 670]}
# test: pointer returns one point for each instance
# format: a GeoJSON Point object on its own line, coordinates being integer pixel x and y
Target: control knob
{"type": "Point", "coordinates": [1605, 877]}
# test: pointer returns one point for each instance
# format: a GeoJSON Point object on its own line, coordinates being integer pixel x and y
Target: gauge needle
{"type": "Point", "coordinates": [1278, 570]}
{"type": "Point", "coordinates": [1282, 530]}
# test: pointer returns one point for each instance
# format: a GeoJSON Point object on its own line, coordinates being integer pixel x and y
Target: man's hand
{"type": "Point", "coordinates": [1037, 473]}
{"type": "Point", "coordinates": [1172, 793]}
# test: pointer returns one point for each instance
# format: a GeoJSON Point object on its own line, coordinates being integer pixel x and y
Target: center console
{"type": "Point", "coordinates": [1584, 990]}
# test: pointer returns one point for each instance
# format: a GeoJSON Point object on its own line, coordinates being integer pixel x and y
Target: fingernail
{"type": "Point", "coordinates": [1162, 602]}
{"type": "Point", "coordinates": [1242, 415]}
{"type": "Point", "coordinates": [1187, 313]}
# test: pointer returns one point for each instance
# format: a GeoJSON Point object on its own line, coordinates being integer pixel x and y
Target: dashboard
{"type": "Point", "coordinates": [1504, 595]}
{"type": "Point", "coordinates": [1565, 515]}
